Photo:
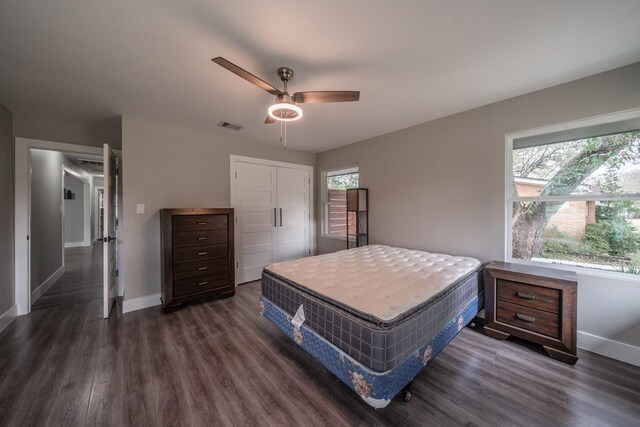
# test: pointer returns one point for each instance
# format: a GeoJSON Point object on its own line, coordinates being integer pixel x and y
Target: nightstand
{"type": "Point", "coordinates": [533, 303]}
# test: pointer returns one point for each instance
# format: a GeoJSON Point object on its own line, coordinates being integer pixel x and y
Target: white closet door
{"type": "Point", "coordinates": [293, 213]}
{"type": "Point", "coordinates": [256, 210]}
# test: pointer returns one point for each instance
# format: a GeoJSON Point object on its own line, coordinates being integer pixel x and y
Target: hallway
{"type": "Point", "coordinates": [81, 283]}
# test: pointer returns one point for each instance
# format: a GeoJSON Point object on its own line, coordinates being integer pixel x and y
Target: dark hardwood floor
{"type": "Point", "coordinates": [221, 363]}
{"type": "Point", "coordinates": [81, 282]}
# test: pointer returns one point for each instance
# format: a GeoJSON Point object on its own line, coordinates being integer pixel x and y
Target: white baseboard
{"type": "Point", "coordinates": [46, 285]}
{"type": "Point", "coordinates": [610, 348]}
{"type": "Point", "coordinates": [140, 303]}
{"type": "Point", "coordinates": [75, 244]}
{"type": "Point", "coordinates": [7, 317]}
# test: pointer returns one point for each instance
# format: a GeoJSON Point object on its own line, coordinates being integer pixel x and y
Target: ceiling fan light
{"type": "Point", "coordinates": [285, 112]}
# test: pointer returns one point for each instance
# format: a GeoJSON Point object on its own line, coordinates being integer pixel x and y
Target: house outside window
{"type": "Point", "coordinates": [573, 196]}
{"type": "Point", "coordinates": [335, 185]}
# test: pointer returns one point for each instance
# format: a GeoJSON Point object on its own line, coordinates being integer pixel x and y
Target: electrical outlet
{"type": "Point", "coordinates": [140, 208]}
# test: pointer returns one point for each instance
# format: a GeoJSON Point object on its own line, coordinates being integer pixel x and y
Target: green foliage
{"type": "Point", "coordinates": [629, 269]}
{"type": "Point", "coordinates": [557, 244]}
{"type": "Point", "coordinates": [614, 236]}
{"type": "Point", "coordinates": [612, 233]}
{"type": "Point", "coordinates": [597, 238]}
{"type": "Point", "coordinates": [342, 182]}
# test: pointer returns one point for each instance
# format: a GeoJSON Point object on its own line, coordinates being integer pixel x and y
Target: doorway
{"type": "Point", "coordinates": [65, 267]}
{"type": "Point", "coordinates": [47, 252]}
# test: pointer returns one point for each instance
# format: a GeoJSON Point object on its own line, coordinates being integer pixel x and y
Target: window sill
{"type": "Point", "coordinates": [583, 271]}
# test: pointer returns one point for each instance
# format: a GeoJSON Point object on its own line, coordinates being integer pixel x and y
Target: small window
{"type": "Point", "coordinates": [336, 182]}
{"type": "Point", "coordinates": [575, 198]}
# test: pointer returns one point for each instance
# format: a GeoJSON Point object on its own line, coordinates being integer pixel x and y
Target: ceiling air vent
{"type": "Point", "coordinates": [229, 125]}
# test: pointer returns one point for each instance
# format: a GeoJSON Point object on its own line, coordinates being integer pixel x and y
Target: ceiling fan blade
{"type": "Point", "coordinates": [326, 96]}
{"type": "Point", "coordinates": [246, 75]}
{"type": "Point", "coordinates": [269, 120]}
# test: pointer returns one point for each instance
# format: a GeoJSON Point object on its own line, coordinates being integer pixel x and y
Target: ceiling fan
{"type": "Point", "coordinates": [285, 109]}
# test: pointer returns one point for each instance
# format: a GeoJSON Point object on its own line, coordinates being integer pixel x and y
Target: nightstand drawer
{"type": "Point", "coordinates": [531, 319]}
{"type": "Point", "coordinates": [537, 297]}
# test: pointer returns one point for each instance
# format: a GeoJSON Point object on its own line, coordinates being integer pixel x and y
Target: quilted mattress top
{"type": "Point", "coordinates": [378, 280]}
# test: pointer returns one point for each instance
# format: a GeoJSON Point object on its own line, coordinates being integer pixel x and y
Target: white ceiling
{"type": "Point", "coordinates": [413, 61]}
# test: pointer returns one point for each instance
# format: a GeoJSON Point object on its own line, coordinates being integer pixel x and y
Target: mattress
{"type": "Point", "coordinates": [378, 304]}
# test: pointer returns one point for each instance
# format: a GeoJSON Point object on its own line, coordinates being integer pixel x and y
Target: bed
{"type": "Point", "coordinates": [374, 316]}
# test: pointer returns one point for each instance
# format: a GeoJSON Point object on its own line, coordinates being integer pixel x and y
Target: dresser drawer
{"type": "Point", "coordinates": [531, 319]}
{"type": "Point", "coordinates": [199, 222]}
{"type": "Point", "coordinates": [198, 253]}
{"type": "Point", "coordinates": [203, 237]}
{"type": "Point", "coordinates": [537, 297]}
{"type": "Point", "coordinates": [200, 268]}
{"type": "Point", "coordinates": [194, 285]}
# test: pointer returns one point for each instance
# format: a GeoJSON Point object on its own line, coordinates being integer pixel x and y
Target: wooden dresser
{"type": "Point", "coordinates": [534, 303]}
{"type": "Point", "coordinates": [197, 255]}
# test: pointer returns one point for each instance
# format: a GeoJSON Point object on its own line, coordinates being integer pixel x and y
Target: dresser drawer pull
{"type": "Point", "coordinates": [202, 238]}
{"type": "Point", "coordinates": [202, 283]}
{"type": "Point", "coordinates": [524, 318]}
{"type": "Point", "coordinates": [203, 268]}
{"type": "Point", "coordinates": [203, 223]}
{"type": "Point", "coordinates": [201, 253]}
{"type": "Point", "coordinates": [526, 296]}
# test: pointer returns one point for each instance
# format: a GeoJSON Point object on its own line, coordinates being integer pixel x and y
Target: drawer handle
{"type": "Point", "coordinates": [524, 318]}
{"type": "Point", "coordinates": [202, 283]}
{"type": "Point", "coordinates": [203, 223]}
{"type": "Point", "coordinates": [201, 253]}
{"type": "Point", "coordinates": [526, 296]}
{"type": "Point", "coordinates": [203, 268]}
{"type": "Point", "coordinates": [202, 238]}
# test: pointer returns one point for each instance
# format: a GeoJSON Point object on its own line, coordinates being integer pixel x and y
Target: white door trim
{"type": "Point", "coordinates": [22, 214]}
{"type": "Point", "coordinates": [234, 159]}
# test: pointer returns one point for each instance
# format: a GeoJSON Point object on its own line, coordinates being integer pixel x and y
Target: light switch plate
{"type": "Point", "coordinates": [140, 208]}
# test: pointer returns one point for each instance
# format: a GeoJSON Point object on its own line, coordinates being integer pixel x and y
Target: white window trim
{"type": "Point", "coordinates": [510, 199]}
{"type": "Point", "coordinates": [324, 201]}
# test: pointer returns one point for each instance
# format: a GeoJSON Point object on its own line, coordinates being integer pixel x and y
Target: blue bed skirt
{"type": "Point", "coordinates": [375, 388]}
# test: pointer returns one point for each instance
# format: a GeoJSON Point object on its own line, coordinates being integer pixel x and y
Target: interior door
{"type": "Point", "coordinates": [109, 229]}
{"type": "Point", "coordinates": [293, 213]}
{"type": "Point", "coordinates": [256, 210]}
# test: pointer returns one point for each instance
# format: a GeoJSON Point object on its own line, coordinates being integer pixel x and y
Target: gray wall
{"type": "Point", "coordinates": [7, 296]}
{"type": "Point", "coordinates": [440, 186]}
{"type": "Point", "coordinates": [46, 215]}
{"type": "Point", "coordinates": [170, 166]}
{"type": "Point", "coordinates": [74, 211]}
{"type": "Point", "coordinates": [92, 133]}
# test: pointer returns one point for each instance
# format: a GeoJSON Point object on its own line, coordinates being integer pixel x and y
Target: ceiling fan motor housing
{"type": "Point", "coordinates": [285, 73]}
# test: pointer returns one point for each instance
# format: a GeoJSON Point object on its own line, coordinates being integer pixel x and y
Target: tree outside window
{"type": "Point", "coordinates": [577, 202]}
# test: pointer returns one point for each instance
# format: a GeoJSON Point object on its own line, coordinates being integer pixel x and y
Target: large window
{"type": "Point", "coordinates": [575, 197]}
{"type": "Point", "coordinates": [335, 186]}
